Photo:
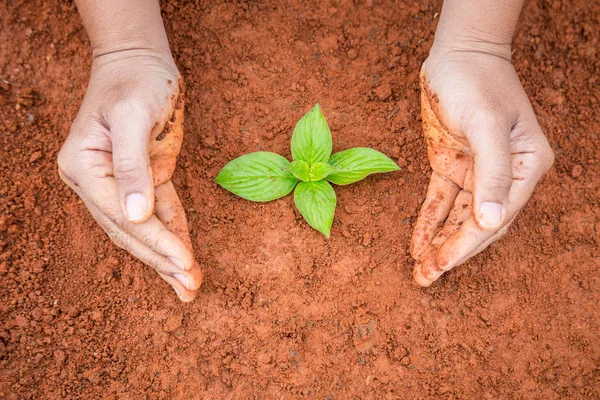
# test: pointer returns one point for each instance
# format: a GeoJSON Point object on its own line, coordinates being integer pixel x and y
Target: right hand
{"type": "Point", "coordinates": [120, 155]}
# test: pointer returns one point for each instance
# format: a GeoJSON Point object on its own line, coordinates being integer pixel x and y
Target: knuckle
{"type": "Point", "coordinates": [124, 109]}
{"type": "Point", "coordinates": [485, 120]}
{"type": "Point", "coordinates": [63, 167]}
{"type": "Point", "coordinates": [128, 170]}
{"type": "Point", "coordinates": [155, 241]}
{"type": "Point", "coordinates": [119, 238]}
{"type": "Point", "coordinates": [499, 180]}
{"type": "Point", "coordinates": [160, 265]}
{"type": "Point", "coordinates": [64, 162]}
{"type": "Point", "coordinates": [546, 159]}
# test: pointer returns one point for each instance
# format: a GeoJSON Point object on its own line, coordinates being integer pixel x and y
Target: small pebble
{"type": "Point", "coordinates": [577, 171]}
{"type": "Point", "coordinates": [59, 357]}
{"type": "Point", "coordinates": [172, 323]}
{"type": "Point", "coordinates": [35, 156]}
{"type": "Point", "coordinates": [367, 239]}
{"type": "Point", "coordinates": [36, 314]}
{"type": "Point", "coordinates": [383, 92]}
{"type": "Point", "coordinates": [21, 321]}
{"type": "Point", "coordinates": [97, 316]}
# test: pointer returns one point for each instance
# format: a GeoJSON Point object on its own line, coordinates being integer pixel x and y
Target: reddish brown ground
{"type": "Point", "coordinates": [285, 313]}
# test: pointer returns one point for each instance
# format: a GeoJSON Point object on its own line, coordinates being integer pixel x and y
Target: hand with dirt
{"type": "Point", "coordinates": [122, 150]}
{"type": "Point", "coordinates": [485, 146]}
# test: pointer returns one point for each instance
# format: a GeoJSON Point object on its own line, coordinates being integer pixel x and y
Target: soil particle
{"type": "Point", "coordinates": [383, 92]}
{"type": "Point", "coordinates": [366, 241]}
{"type": "Point", "coordinates": [35, 156]}
{"type": "Point", "coordinates": [173, 323]}
{"type": "Point", "coordinates": [59, 357]}
{"type": "Point", "coordinates": [97, 316]}
{"type": "Point", "coordinates": [352, 54]}
{"type": "Point", "coordinates": [36, 314]}
{"type": "Point", "coordinates": [577, 171]}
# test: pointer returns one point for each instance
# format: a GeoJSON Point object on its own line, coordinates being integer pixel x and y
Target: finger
{"type": "Point", "coordinates": [153, 233]}
{"type": "Point", "coordinates": [184, 283]}
{"type": "Point", "coordinates": [138, 250]}
{"type": "Point", "coordinates": [441, 194]}
{"type": "Point", "coordinates": [455, 165]}
{"type": "Point", "coordinates": [130, 126]}
{"type": "Point", "coordinates": [182, 292]}
{"type": "Point", "coordinates": [157, 261]}
{"type": "Point", "coordinates": [101, 190]}
{"type": "Point", "coordinates": [150, 241]}
{"type": "Point", "coordinates": [490, 143]}
{"type": "Point", "coordinates": [426, 271]}
{"type": "Point", "coordinates": [171, 213]}
{"type": "Point", "coordinates": [485, 244]}
{"type": "Point", "coordinates": [162, 168]}
{"type": "Point", "coordinates": [470, 236]}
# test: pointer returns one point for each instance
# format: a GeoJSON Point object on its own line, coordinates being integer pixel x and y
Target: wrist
{"type": "Point", "coordinates": [135, 53]}
{"type": "Point", "coordinates": [477, 26]}
{"type": "Point", "coordinates": [448, 46]}
{"type": "Point", "coordinates": [153, 45]}
{"type": "Point", "coordinates": [115, 26]}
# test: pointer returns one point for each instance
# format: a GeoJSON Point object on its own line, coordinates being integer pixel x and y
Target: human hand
{"type": "Point", "coordinates": [487, 152]}
{"type": "Point", "coordinates": [120, 155]}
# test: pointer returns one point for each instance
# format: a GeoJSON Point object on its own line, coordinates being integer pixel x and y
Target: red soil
{"type": "Point", "coordinates": [284, 312]}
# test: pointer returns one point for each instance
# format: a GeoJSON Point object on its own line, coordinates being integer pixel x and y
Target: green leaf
{"type": "Point", "coordinates": [316, 202]}
{"type": "Point", "coordinates": [311, 140]}
{"type": "Point", "coordinates": [355, 164]}
{"type": "Point", "coordinates": [260, 176]}
{"type": "Point", "coordinates": [299, 169]}
{"type": "Point", "coordinates": [319, 171]}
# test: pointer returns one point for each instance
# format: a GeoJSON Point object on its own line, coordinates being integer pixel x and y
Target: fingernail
{"type": "Point", "coordinates": [433, 275]}
{"type": "Point", "coordinates": [419, 278]}
{"type": "Point", "coordinates": [177, 292]}
{"type": "Point", "coordinates": [177, 262]}
{"type": "Point", "coordinates": [490, 215]}
{"type": "Point", "coordinates": [136, 207]}
{"type": "Point", "coordinates": [182, 279]}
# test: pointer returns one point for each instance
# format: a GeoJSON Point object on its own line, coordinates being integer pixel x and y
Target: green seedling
{"type": "Point", "coordinates": [265, 176]}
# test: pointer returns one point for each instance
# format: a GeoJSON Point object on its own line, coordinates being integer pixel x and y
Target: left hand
{"type": "Point", "coordinates": [487, 152]}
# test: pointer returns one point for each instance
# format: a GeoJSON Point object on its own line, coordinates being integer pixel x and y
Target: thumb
{"type": "Point", "coordinates": [130, 127]}
{"type": "Point", "coordinates": [490, 143]}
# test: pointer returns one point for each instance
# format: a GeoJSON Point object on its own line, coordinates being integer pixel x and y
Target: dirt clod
{"type": "Point", "coordinates": [173, 323]}
{"type": "Point", "coordinates": [577, 171]}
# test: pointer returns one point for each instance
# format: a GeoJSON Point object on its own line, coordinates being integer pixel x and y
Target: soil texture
{"type": "Point", "coordinates": [284, 312]}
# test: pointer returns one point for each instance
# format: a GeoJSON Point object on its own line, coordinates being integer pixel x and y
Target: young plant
{"type": "Point", "coordinates": [265, 176]}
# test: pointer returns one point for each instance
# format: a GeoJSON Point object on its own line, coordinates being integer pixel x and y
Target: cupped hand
{"type": "Point", "coordinates": [487, 152]}
{"type": "Point", "coordinates": [120, 155]}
